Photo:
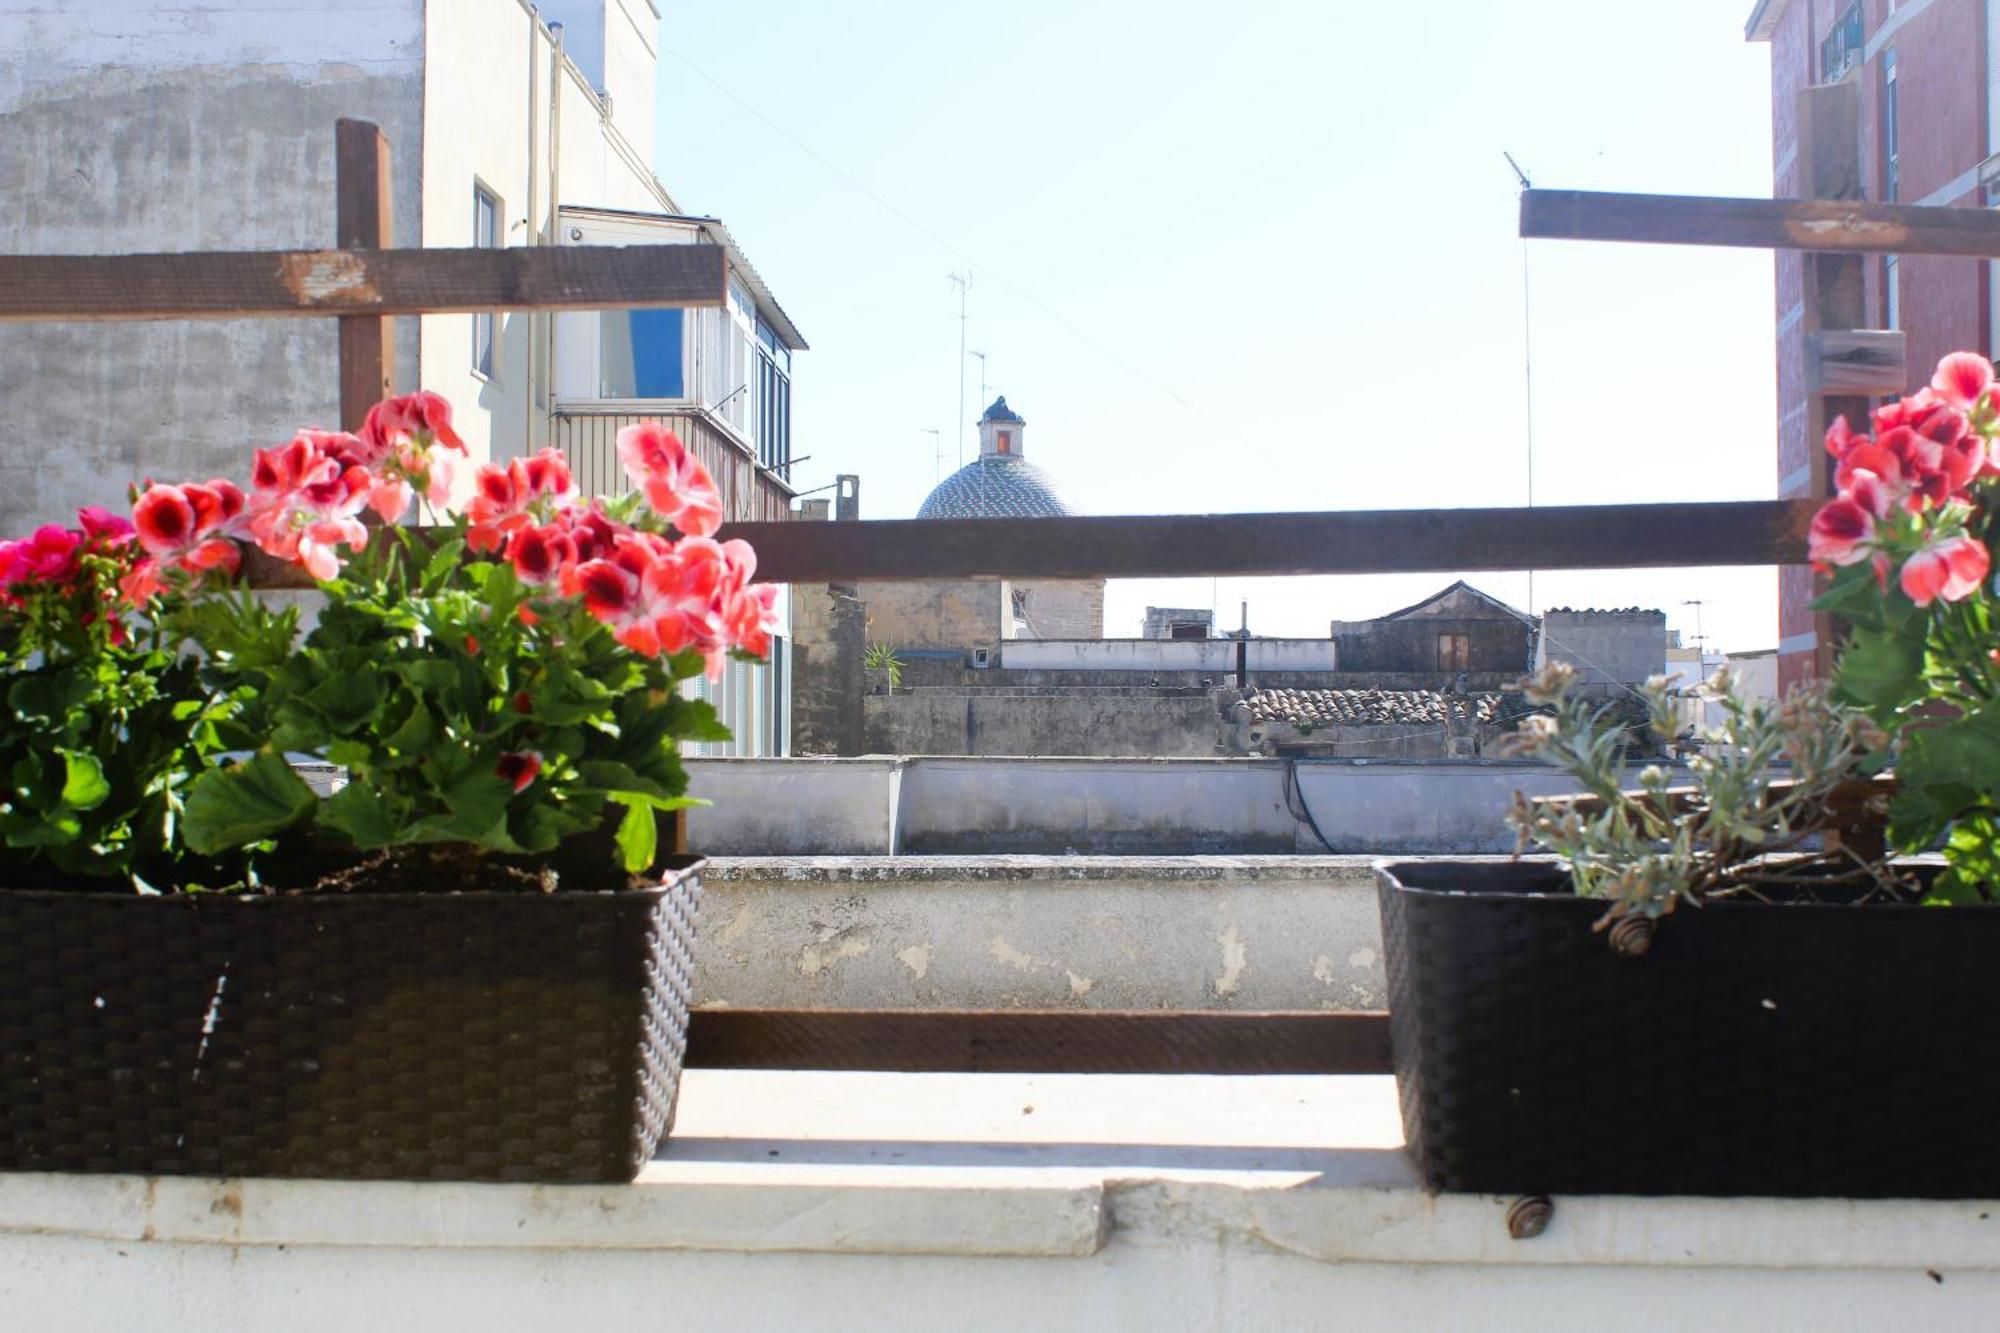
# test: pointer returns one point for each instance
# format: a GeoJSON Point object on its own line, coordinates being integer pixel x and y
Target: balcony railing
{"type": "Point", "coordinates": [363, 286]}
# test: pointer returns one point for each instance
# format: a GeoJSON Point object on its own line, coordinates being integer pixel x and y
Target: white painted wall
{"type": "Point", "coordinates": [501, 107]}
{"type": "Point", "coordinates": [893, 1202]}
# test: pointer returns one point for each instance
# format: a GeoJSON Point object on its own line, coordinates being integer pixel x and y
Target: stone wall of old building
{"type": "Point", "coordinates": [935, 613]}
{"type": "Point", "coordinates": [829, 641]}
{"type": "Point", "coordinates": [1058, 608]}
{"type": "Point", "coordinates": [1066, 721]}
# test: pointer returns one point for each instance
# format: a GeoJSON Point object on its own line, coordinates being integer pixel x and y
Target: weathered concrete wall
{"type": "Point", "coordinates": [1061, 932]}
{"type": "Point", "coordinates": [781, 807]}
{"type": "Point", "coordinates": [1159, 806]}
{"type": "Point", "coordinates": [938, 613]}
{"type": "Point", "coordinates": [1061, 608]}
{"type": "Point", "coordinates": [207, 125]}
{"type": "Point", "coordinates": [1052, 722]}
{"type": "Point", "coordinates": [923, 667]}
{"type": "Point", "coordinates": [1606, 647]}
{"type": "Point", "coordinates": [829, 642]}
{"type": "Point", "coordinates": [804, 807]}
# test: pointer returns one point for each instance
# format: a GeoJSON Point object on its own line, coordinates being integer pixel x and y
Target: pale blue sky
{"type": "Point", "coordinates": [1253, 257]}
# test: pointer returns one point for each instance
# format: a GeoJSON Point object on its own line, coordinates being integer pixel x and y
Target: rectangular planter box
{"type": "Point", "coordinates": [1791, 1050]}
{"type": "Point", "coordinates": [507, 1036]}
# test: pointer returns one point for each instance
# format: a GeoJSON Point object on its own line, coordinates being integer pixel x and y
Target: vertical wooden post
{"type": "Point", "coordinates": [363, 200]}
{"type": "Point", "coordinates": [1834, 295]}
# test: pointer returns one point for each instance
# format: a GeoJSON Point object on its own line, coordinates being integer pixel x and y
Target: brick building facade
{"type": "Point", "coordinates": [1926, 71]}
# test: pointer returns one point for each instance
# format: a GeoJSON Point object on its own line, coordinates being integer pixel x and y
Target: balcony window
{"type": "Point", "coordinates": [726, 363]}
{"type": "Point", "coordinates": [485, 236]}
{"type": "Point", "coordinates": [1844, 45]}
{"type": "Point", "coordinates": [642, 354]}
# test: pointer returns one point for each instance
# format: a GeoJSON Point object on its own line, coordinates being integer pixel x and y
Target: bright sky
{"type": "Point", "coordinates": [1258, 257]}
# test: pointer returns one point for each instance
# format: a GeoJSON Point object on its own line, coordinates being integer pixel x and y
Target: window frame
{"type": "Point", "coordinates": [486, 323]}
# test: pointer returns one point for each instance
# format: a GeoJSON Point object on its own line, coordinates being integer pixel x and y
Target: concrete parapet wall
{"type": "Point", "coordinates": [883, 805]}
{"type": "Point", "coordinates": [1041, 932]}
{"type": "Point", "coordinates": [799, 807]}
{"type": "Point", "coordinates": [980, 722]}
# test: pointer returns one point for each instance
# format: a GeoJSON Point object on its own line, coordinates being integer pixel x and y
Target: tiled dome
{"type": "Point", "coordinates": [996, 486]}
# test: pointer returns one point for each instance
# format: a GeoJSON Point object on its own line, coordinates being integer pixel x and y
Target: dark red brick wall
{"type": "Point", "coordinates": [1941, 122]}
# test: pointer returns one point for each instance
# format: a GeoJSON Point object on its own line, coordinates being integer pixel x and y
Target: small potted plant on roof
{"type": "Point", "coordinates": [471, 961]}
{"type": "Point", "coordinates": [1720, 987]}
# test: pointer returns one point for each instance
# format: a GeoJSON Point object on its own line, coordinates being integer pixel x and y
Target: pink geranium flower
{"type": "Point", "coordinates": [1962, 378]}
{"type": "Point", "coordinates": [1951, 569]}
{"type": "Point", "coordinates": [675, 482]}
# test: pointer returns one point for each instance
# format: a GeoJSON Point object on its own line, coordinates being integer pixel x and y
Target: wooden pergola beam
{"type": "Point", "coordinates": [1842, 225]}
{"type": "Point", "coordinates": [248, 284]}
{"type": "Point", "coordinates": [1654, 536]}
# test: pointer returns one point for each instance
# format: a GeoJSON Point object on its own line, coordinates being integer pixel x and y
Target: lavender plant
{"type": "Point", "coordinates": [1646, 851]}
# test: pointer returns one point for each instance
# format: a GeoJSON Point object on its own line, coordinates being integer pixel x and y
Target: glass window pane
{"type": "Point", "coordinates": [640, 354]}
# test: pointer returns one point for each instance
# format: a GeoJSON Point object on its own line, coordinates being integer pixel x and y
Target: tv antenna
{"type": "Point", "coordinates": [962, 281]}
{"type": "Point", "coordinates": [1527, 362]}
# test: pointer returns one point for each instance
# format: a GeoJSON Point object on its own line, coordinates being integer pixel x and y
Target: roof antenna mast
{"type": "Point", "coordinates": [1527, 362]}
{"type": "Point", "coordinates": [962, 281]}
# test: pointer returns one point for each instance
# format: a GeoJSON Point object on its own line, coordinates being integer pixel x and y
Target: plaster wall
{"type": "Point", "coordinates": [148, 127]}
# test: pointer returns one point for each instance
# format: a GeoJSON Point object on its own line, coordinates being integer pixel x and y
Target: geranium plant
{"type": "Point", "coordinates": [501, 685]}
{"type": "Point", "coordinates": [1907, 541]}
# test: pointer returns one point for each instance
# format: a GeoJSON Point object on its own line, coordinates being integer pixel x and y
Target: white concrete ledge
{"type": "Point", "coordinates": [1044, 932]}
{"type": "Point", "coordinates": [980, 1201]}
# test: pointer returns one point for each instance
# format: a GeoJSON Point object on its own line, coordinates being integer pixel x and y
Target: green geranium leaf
{"type": "Point", "coordinates": [357, 811]}
{"type": "Point", "coordinates": [346, 699]}
{"type": "Point", "coordinates": [1881, 670]}
{"type": "Point", "coordinates": [243, 803]}
{"type": "Point", "coordinates": [638, 837]}
{"type": "Point", "coordinates": [84, 783]}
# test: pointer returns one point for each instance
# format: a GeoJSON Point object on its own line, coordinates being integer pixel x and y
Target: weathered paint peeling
{"type": "Point", "coordinates": [822, 954]}
{"type": "Point", "coordinates": [1011, 956]}
{"type": "Point", "coordinates": [1234, 959]}
{"type": "Point", "coordinates": [328, 277]}
{"type": "Point", "coordinates": [917, 958]}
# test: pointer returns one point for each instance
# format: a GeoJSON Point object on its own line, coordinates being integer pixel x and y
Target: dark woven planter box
{"type": "Point", "coordinates": [1793, 1050]}
{"type": "Point", "coordinates": [509, 1036]}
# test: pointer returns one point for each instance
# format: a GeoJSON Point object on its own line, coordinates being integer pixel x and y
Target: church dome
{"type": "Point", "coordinates": [1000, 483]}
{"type": "Point", "coordinates": [996, 486]}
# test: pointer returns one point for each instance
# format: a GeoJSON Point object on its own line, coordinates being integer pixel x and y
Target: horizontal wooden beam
{"type": "Point", "coordinates": [1368, 541]}
{"type": "Point", "coordinates": [226, 285]}
{"type": "Point", "coordinates": [1016, 1041]}
{"type": "Point", "coordinates": [1865, 363]}
{"type": "Point", "coordinates": [1739, 532]}
{"type": "Point", "coordinates": [1762, 224]}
